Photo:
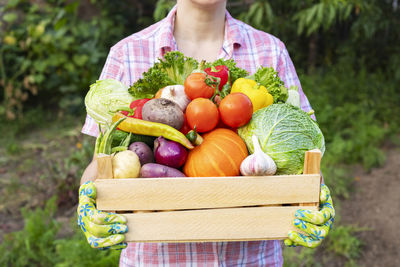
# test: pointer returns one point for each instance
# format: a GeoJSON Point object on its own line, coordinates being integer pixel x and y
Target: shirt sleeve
{"type": "Point", "coordinates": [287, 73]}
{"type": "Point", "coordinates": [113, 69]}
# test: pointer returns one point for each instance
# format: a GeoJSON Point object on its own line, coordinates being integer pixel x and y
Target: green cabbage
{"type": "Point", "coordinates": [104, 98]}
{"type": "Point", "coordinates": [285, 133]}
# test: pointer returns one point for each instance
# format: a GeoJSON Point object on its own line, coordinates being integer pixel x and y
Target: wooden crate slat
{"type": "Point", "coordinates": [233, 224]}
{"type": "Point", "coordinates": [199, 193]}
{"type": "Point", "coordinates": [312, 162]}
{"type": "Point", "coordinates": [104, 166]}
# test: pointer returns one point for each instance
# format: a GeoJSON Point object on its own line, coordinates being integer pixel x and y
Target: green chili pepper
{"type": "Point", "coordinates": [194, 137]}
{"type": "Point", "coordinates": [143, 127]}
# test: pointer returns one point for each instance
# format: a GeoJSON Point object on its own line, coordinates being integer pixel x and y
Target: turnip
{"type": "Point", "coordinates": [126, 164]}
{"type": "Point", "coordinates": [163, 111]}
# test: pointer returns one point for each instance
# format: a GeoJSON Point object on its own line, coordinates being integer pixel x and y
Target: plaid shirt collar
{"type": "Point", "coordinates": [165, 40]}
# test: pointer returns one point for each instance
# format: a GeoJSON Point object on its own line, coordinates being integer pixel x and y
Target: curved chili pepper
{"type": "Point", "coordinates": [142, 127]}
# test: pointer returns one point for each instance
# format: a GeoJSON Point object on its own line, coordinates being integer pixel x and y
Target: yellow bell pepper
{"type": "Point", "coordinates": [258, 94]}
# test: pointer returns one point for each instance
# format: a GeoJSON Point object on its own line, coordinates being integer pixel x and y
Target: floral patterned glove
{"type": "Point", "coordinates": [316, 224]}
{"type": "Point", "coordinates": [103, 230]}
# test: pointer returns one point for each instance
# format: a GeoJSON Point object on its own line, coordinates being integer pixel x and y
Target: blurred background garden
{"type": "Point", "coordinates": [347, 55]}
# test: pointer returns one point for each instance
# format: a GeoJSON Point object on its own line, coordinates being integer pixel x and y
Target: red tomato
{"type": "Point", "coordinates": [236, 110]}
{"type": "Point", "coordinates": [198, 84]}
{"type": "Point", "coordinates": [203, 114]}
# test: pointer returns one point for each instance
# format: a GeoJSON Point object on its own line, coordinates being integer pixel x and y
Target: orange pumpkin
{"type": "Point", "coordinates": [220, 154]}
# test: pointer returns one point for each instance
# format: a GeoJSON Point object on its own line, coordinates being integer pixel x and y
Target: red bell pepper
{"type": "Point", "coordinates": [136, 106]}
{"type": "Point", "coordinates": [220, 71]}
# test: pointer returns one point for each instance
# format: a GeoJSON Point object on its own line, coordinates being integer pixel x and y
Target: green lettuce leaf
{"type": "Point", "coordinates": [170, 70]}
{"type": "Point", "coordinates": [269, 78]}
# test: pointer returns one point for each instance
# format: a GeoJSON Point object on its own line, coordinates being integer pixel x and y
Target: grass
{"type": "Point", "coordinates": [46, 159]}
{"type": "Point", "coordinates": [47, 156]}
{"type": "Point", "coordinates": [37, 244]}
{"type": "Point", "coordinates": [342, 245]}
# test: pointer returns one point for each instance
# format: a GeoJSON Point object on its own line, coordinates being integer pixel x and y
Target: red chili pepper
{"type": "Point", "coordinates": [220, 71]}
{"type": "Point", "coordinates": [137, 106]}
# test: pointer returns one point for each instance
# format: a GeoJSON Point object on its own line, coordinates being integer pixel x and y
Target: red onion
{"type": "Point", "coordinates": [169, 153]}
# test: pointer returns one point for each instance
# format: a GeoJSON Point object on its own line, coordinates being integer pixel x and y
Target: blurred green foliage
{"type": "Point", "coordinates": [37, 244]}
{"type": "Point", "coordinates": [30, 245]}
{"type": "Point", "coordinates": [322, 33]}
{"type": "Point", "coordinates": [51, 51]}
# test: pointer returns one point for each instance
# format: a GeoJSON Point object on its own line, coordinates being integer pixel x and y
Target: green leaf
{"type": "Point", "coordinates": [259, 16]}
{"type": "Point", "coordinates": [80, 60]}
{"type": "Point", "coordinates": [25, 65]}
{"type": "Point", "coordinates": [313, 28]}
{"type": "Point", "coordinates": [347, 11]}
{"type": "Point", "coordinates": [300, 25]}
{"type": "Point", "coordinates": [60, 24]}
{"type": "Point", "coordinates": [269, 12]}
{"type": "Point", "coordinates": [39, 78]}
{"type": "Point", "coordinates": [330, 16]}
{"type": "Point", "coordinates": [71, 8]}
{"type": "Point", "coordinates": [70, 67]}
{"type": "Point", "coordinates": [162, 8]}
{"type": "Point", "coordinates": [311, 14]}
{"type": "Point", "coordinates": [252, 11]}
{"type": "Point", "coordinates": [10, 17]}
{"type": "Point", "coordinates": [320, 15]}
{"type": "Point", "coordinates": [40, 66]}
{"type": "Point", "coordinates": [12, 3]}
{"type": "Point", "coordinates": [59, 15]}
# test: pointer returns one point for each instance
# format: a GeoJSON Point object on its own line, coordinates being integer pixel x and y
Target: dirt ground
{"type": "Point", "coordinates": [376, 205]}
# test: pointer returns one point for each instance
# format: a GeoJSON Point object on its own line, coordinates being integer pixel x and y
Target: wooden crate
{"type": "Point", "coordinates": [208, 209]}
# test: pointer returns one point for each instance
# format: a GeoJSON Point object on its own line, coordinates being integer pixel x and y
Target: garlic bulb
{"type": "Point", "coordinates": [176, 93]}
{"type": "Point", "coordinates": [258, 163]}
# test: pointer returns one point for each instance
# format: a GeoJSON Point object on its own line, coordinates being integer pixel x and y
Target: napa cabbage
{"type": "Point", "coordinates": [104, 98]}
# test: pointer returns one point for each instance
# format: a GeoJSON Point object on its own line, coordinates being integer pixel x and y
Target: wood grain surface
{"type": "Point", "coordinates": [206, 209]}
{"type": "Point", "coordinates": [200, 193]}
{"type": "Point", "coordinates": [234, 224]}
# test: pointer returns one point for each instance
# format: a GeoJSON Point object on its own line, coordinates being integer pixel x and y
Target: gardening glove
{"type": "Point", "coordinates": [103, 230]}
{"type": "Point", "coordinates": [316, 224]}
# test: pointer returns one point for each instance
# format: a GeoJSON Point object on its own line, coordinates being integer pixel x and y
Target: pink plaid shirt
{"type": "Point", "coordinates": [250, 48]}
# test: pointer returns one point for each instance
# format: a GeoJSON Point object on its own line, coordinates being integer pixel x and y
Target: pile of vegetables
{"type": "Point", "coordinates": [185, 118]}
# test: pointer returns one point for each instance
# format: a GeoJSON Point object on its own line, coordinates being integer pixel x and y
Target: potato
{"type": "Point", "coordinates": [151, 170]}
{"type": "Point", "coordinates": [143, 151]}
{"type": "Point", "coordinates": [126, 164]}
{"type": "Point", "coordinates": [163, 111]}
